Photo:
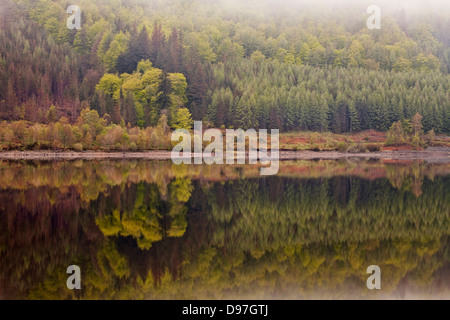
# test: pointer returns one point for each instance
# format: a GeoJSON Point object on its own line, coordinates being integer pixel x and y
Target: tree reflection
{"type": "Point", "coordinates": [149, 230]}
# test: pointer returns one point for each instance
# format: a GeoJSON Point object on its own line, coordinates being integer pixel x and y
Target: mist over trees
{"type": "Point", "coordinates": [300, 66]}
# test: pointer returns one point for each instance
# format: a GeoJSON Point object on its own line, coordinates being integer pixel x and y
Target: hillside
{"type": "Point", "coordinates": [251, 65]}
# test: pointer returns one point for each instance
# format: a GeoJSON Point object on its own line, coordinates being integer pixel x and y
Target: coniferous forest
{"type": "Point", "coordinates": [99, 201]}
{"type": "Point", "coordinates": [234, 64]}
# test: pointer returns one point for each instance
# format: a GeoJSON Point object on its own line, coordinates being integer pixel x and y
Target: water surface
{"type": "Point", "coordinates": [151, 230]}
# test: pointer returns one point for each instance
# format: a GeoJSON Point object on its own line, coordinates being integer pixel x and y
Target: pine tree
{"type": "Point", "coordinates": [354, 124]}
{"type": "Point", "coordinates": [322, 111]}
{"type": "Point", "coordinates": [139, 48]}
{"type": "Point", "coordinates": [163, 101]}
{"type": "Point", "coordinates": [157, 43]}
{"type": "Point", "coordinates": [174, 53]}
{"type": "Point", "coordinates": [244, 115]}
{"type": "Point", "coordinates": [143, 49]}
{"type": "Point", "coordinates": [340, 116]}
{"type": "Point", "coordinates": [197, 85]}
{"type": "Point", "coordinates": [11, 98]}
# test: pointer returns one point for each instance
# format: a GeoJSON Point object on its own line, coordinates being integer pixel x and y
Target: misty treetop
{"type": "Point", "coordinates": [300, 66]}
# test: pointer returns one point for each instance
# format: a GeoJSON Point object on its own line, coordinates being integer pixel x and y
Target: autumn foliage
{"type": "Point", "coordinates": [89, 132]}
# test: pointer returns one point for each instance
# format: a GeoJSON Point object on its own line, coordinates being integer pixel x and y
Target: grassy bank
{"type": "Point", "coordinates": [365, 141]}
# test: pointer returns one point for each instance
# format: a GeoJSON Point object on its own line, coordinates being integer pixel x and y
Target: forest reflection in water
{"type": "Point", "coordinates": [150, 229]}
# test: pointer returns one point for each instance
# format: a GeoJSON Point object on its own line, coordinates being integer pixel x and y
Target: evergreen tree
{"type": "Point", "coordinates": [157, 44]}
{"type": "Point", "coordinates": [163, 101]}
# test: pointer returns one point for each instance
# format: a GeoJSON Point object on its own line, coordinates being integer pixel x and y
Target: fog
{"type": "Point", "coordinates": [409, 6]}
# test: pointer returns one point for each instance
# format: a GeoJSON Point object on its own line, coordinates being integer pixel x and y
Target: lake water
{"type": "Point", "coordinates": [152, 230]}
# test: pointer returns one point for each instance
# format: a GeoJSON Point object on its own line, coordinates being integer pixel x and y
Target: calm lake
{"type": "Point", "coordinates": [144, 229]}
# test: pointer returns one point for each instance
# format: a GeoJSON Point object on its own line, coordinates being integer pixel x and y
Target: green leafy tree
{"type": "Point", "coordinates": [110, 85]}
{"type": "Point", "coordinates": [183, 119]}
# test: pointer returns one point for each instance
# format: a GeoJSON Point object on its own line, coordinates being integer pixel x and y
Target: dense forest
{"type": "Point", "coordinates": [141, 229]}
{"type": "Point", "coordinates": [245, 64]}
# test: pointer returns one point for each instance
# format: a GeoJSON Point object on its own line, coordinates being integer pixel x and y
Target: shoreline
{"type": "Point", "coordinates": [430, 155]}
